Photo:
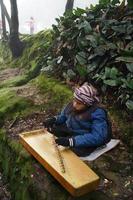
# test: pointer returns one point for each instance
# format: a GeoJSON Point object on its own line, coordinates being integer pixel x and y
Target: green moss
{"type": "Point", "coordinates": [34, 70]}
{"type": "Point", "coordinates": [5, 54]}
{"type": "Point", "coordinates": [16, 169]}
{"type": "Point", "coordinates": [10, 103]}
{"type": "Point", "coordinates": [56, 93]}
{"type": "Point", "coordinates": [15, 81]}
{"type": "Point", "coordinates": [2, 135]}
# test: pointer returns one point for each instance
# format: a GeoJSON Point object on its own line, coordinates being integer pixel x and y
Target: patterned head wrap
{"type": "Point", "coordinates": [87, 94]}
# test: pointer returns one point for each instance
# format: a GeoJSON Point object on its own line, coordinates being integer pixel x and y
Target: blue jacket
{"type": "Point", "coordinates": [90, 129]}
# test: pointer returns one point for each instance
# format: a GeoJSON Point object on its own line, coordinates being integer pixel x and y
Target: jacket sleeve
{"type": "Point", "coordinates": [61, 118]}
{"type": "Point", "coordinates": [97, 135]}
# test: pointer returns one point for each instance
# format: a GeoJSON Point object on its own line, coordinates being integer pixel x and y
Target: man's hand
{"type": "Point", "coordinates": [49, 122]}
{"type": "Point", "coordinates": [61, 131]}
{"type": "Point", "coordinates": [65, 141]}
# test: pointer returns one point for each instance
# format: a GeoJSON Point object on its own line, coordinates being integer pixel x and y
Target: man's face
{"type": "Point", "coordinates": [78, 105]}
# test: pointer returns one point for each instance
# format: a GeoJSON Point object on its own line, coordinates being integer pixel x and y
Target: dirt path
{"type": "Point", "coordinates": [28, 90]}
{"type": "Point", "coordinates": [9, 73]}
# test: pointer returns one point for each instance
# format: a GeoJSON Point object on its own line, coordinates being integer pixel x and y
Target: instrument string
{"type": "Point", "coordinates": [59, 155]}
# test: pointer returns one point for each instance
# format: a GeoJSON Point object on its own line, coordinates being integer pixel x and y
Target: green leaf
{"type": "Point", "coordinates": [130, 30]}
{"type": "Point", "coordinates": [90, 16]}
{"type": "Point", "coordinates": [128, 37]}
{"type": "Point", "coordinates": [120, 44]}
{"type": "Point", "coordinates": [130, 3]}
{"type": "Point", "coordinates": [129, 104]}
{"type": "Point", "coordinates": [80, 59]}
{"type": "Point", "coordinates": [82, 54]}
{"type": "Point", "coordinates": [91, 67]}
{"type": "Point", "coordinates": [130, 67]}
{"type": "Point", "coordinates": [92, 39]}
{"type": "Point", "coordinates": [114, 2]}
{"type": "Point", "coordinates": [78, 12]}
{"type": "Point", "coordinates": [129, 46]}
{"type": "Point", "coordinates": [81, 70]}
{"type": "Point", "coordinates": [49, 68]}
{"type": "Point", "coordinates": [110, 46]}
{"type": "Point", "coordinates": [113, 73]}
{"type": "Point", "coordinates": [92, 56]}
{"type": "Point", "coordinates": [120, 28]}
{"type": "Point", "coordinates": [70, 74]}
{"type": "Point", "coordinates": [86, 26]}
{"type": "Point", "coordinates": [82, 42]}
{"type": "Point", "coordinates": [100, 50]}
{"type": "Point", "coordinates": [125, 59]}
{"type": "Point", "coordinates": [104, 2]}
{"type": "Point", "coordinates": [111, 82]}
{"type": "Point", "coordinates": [107, 72]}
{"type": "Point", "coordinates": [127, 53]}
{"type": "Point", "coordinates": [129, 83]}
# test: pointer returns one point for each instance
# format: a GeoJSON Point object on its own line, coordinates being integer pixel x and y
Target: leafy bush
{"type": "Point", "coordinates": [96, 43]}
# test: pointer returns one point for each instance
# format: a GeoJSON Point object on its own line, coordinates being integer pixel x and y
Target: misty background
{"type": "Point", "coordinates": [44, 12]}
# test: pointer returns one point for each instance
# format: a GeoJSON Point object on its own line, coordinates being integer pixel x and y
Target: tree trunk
{"type": "Point", "coordinates": [3, 8]}
{"type": "Point", "coordinates": [69, 5]}
{"type": "Point", "coordinates": [16, 45]}
{"type": "Point", "coordinates": [3, 22]}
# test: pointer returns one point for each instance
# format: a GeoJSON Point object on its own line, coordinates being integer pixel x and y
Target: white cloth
{"type": "Point", "coordinates": [101, 150]}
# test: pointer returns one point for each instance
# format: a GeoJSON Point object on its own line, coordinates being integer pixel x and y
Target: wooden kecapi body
{"type": "Point", "coordinates": [78, 178]}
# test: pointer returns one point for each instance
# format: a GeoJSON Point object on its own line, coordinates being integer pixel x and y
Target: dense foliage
{"type": "Point", "coordinates": [96, 43]}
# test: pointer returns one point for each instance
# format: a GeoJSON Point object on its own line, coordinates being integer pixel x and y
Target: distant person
{"type": "Point", "coordinates": [31, 24]}
{"type": "Point", "coordinates": [82, 125]}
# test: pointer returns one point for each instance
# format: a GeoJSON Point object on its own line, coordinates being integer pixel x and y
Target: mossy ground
{"type": "Point", "coordinates": [5, 55]}
{"type": "Point", "coordinates": [20, 178]}
{"type": "Point", "coordinates": [10, 104]}
{"type": "Point", "coordinates": [15, 81]}
{"type": "Point", "coordinates": [57, 94]}
{"type": "Point", "coordinates": [124, 125]}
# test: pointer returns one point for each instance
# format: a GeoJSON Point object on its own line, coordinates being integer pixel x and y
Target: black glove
{"type": "Point", "coordinates": [49, 122]}
{"type": "Point", "coordinates": [61, 131]}
{"type": "Point", "coordinates": [65, 141]}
